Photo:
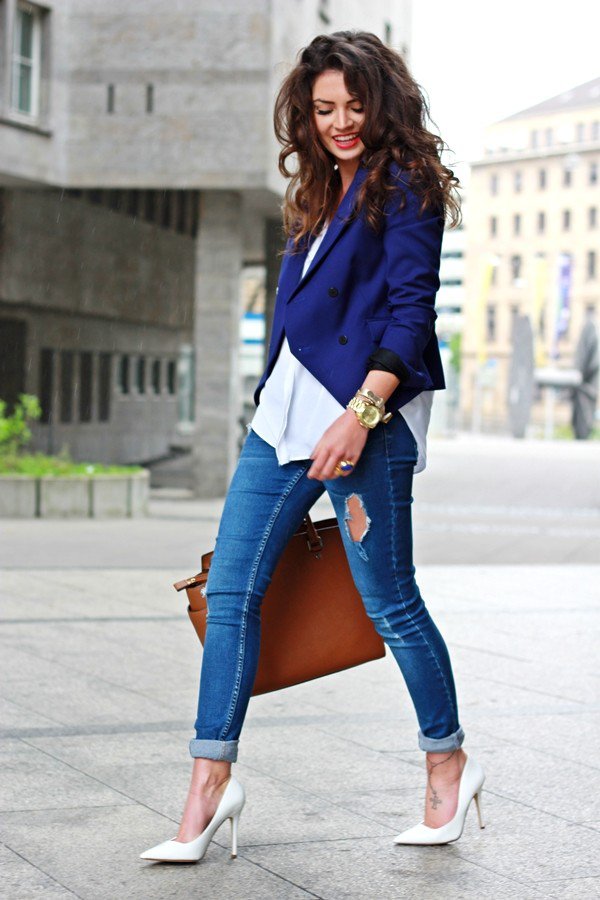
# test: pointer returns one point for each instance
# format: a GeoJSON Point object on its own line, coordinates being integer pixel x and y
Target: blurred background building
{"type": "Point", "coordinates": [533, 249]}
{"type": "Point", "coordinates": [141, 214]}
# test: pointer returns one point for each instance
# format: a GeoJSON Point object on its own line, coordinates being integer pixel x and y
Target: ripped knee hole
{"type": "Point", "coordinates": [356, 518]}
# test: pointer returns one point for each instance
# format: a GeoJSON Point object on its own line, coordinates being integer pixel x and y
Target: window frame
{"type": "Point", "coordinates": [33, 114]}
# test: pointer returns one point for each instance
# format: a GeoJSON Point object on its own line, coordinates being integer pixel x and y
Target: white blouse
{"type": "Point", "coordinates": [295, 409]}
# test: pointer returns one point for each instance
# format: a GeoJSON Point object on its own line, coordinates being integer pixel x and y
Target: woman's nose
{"type": "Point", "coordinates": [341, 119]}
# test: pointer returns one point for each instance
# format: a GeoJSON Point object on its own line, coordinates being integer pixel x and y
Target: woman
{"type": "Point", "coordinates": [343, 406]}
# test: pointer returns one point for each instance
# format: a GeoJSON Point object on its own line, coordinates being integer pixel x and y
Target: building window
{"type": "Point", "coordinates": [167, 208]}
{"type": "Point", "coordinates": [493, 184]}
{"type": "Point", "coordinates": [85, 386]}
{"type": "Point", "coordinates": [541, 222]}
{"type": "Point", "coordinates": [566, 219]}
{"type": "Point", "coordinates": [141, 375]}
{"type": "Point", "coordinates": [534, 138]}
{"type": "Point", "coordinates": [542, 179]}
{"type": "Point", "coordinates": [567, 177]}
{"type": "Point", "coordinates": [518, 181]}
{"type": "Point", "coordinates": [195, 201]}
{"type": "Point", "coordinates": [149, 206]}
{"type": "Point", "coordinates": [182, 211]}
{"type": "Point", "coordinates": [593, 217]}
{"type": "Point", "coordinates": [517, 223]}
{"type": "Point", "coordinates": [580, 132]}
{"type": "Point", "coordinates": [149, 98]}
{"type": "Point", "coordinates": [493, 226]}
{"type": "Point", "coordinates": [114, 200]}
{"type": "Point", "coordinates": [515, 267]}
{"type": "Point", "coordinates": [591, 266]}
{"type": "Point", "coordinates": [171, 377]}
{"type": "Point", "coordinates": [46, 383]}
{"type": "Point", "coordinates": [490, 323]}
{"type": "Point", "coordinates": [387, 32]}
{"type": "Point", "coordinates": [66, 385]}
{"type": "Point", "coordinates": [514, 312]}
{"type": "Point", "coordinates": [593, 173]}
{"type": "Point", "coordinates": [595, 131]}
{"type": "Point", "coordinates": [549, 137]}
{"type": "Point", "coordinates": [104, 386]}
{"type": "Point", "coordinates": [110, 98]}
{"type": "Point", "coordinates": [124, 374]}
{"type": "Point", "coordinates": [133, 202]}
{"type": "Point", "coordinates": [26, 60]}
{"type": "Point", "coordinates": [156, 376]}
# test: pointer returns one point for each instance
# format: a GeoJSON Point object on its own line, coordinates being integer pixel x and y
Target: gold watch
{"type": "Point", "coordinates": [369, 408]}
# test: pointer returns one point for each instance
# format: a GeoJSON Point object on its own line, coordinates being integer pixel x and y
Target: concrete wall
{"type": "Point", "coordinates": [214, 69]}
{"type": "Point", "coordinates": [84, 278]}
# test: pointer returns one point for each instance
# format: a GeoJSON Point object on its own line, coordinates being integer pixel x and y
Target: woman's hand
{"type": "Point", "coordinates": [344, 439]}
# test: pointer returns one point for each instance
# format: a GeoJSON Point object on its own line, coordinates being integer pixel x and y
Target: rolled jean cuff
{"type": "Point", "coordinates": [440, 745]}
{"type": "Point", "coordinates": [225, 750]}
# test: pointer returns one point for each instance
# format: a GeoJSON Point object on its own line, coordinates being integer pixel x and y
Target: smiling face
{"type": "Point", "coordinates": [339, 117]}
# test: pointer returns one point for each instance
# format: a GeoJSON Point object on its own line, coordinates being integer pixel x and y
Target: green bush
{"type": "Point", "coordinates": [14, 430]}
{"type": "Point", "coordinates": [37, 464]}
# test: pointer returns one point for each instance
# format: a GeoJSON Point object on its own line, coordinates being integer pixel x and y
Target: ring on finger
{"type": "Point", "coordinates": [344, 467]}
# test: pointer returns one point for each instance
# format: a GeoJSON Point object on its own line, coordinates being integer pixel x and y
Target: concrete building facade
{"type": "Point", "coordinates": [138, 178]}
{"type": "Point", "coordinates": [533, 247]}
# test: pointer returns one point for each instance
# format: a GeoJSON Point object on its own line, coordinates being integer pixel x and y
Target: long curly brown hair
{"type": "Point", "coordinates": [394, 129]}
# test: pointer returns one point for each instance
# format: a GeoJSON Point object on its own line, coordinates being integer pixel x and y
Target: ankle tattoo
{"type": "Point", "coordinates": [434, 798]}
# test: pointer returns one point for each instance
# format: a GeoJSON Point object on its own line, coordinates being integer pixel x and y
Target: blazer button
{"type": "Point", "coordinates": [343, 339]}
{"type": "Point", "coordinates": [333, 292]}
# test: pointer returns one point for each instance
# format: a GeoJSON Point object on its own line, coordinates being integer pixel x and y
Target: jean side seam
{"type": "Point", "coordinates": [241, 653]}
{"type": "Point", "coordinates": [415, 624]}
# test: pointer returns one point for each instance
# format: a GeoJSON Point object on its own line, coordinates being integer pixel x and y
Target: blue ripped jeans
{"type": "Point", "coordinates": [265, 505]}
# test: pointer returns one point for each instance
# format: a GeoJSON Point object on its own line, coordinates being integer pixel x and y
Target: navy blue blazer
{"type": "Point", "coordinates": [364, 291]}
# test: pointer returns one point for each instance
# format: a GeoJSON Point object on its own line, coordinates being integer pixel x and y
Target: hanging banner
{"type": "Point", "coordinates": [563, 300]}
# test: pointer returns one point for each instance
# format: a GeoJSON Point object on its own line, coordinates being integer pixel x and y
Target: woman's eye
{"type": "Point", "coordinates": [326, 112]}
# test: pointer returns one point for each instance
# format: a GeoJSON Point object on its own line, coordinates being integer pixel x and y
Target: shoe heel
{"type": "Point", "coordinates": [234, 833]}
{"type": "Point", "coordinates": [478, 805]}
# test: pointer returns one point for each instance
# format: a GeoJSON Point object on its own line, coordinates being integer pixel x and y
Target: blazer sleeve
{"type": "Point", "coordinates": [412, 249]}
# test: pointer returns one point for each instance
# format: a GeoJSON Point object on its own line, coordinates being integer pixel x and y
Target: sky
{"type": "Point", "coordinates": [478, 62]}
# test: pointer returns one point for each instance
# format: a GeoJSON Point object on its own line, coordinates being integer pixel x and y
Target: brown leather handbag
{"type": "Point", "coordinates": [313, 620]}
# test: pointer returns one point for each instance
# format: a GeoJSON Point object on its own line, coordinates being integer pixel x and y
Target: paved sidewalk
{"type": "Point", "coordinates": [99, 680]}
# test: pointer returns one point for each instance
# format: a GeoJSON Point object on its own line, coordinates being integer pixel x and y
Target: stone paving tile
{"type": "Point", "coordinates": [33, 779]}
{"type": "Point", "coordinates": [69, 695]}
{"type": "Point", "coordinates": [13, 716]}
{"type": "Point", "coordinates": [571, 888]}
{"type": "Point", "coordinates": [375, 867]}
{"type": "Point", "coordinates": [22, 880]}
{"type": "Point", "coordinates": [95, 854]}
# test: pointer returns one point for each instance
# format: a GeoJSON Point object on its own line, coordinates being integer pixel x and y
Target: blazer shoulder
{"type": "Point", "coordinates": [403, 178]}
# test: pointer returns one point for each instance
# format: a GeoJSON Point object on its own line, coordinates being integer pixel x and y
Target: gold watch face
{"type": "Point", "coordinates": [370, 415]}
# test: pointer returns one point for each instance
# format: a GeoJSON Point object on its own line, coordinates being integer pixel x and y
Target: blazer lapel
{"type": "Point", "coordinates": [335, 228]}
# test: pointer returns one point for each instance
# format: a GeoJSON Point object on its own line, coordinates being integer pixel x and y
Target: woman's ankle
{"type": "Point", "coordinates": [209, 774]}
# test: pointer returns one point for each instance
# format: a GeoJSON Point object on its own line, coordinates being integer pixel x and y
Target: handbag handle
{"type": "Point", "coordinates": [315, 543]}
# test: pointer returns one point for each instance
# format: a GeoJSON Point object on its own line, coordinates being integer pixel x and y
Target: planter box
{"type": "Point", "coordinates": [74, 496]}
{"type": "Point", "coordinates": [17, 497]}
{"type": "Point", "coordinates": [64, 497]}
